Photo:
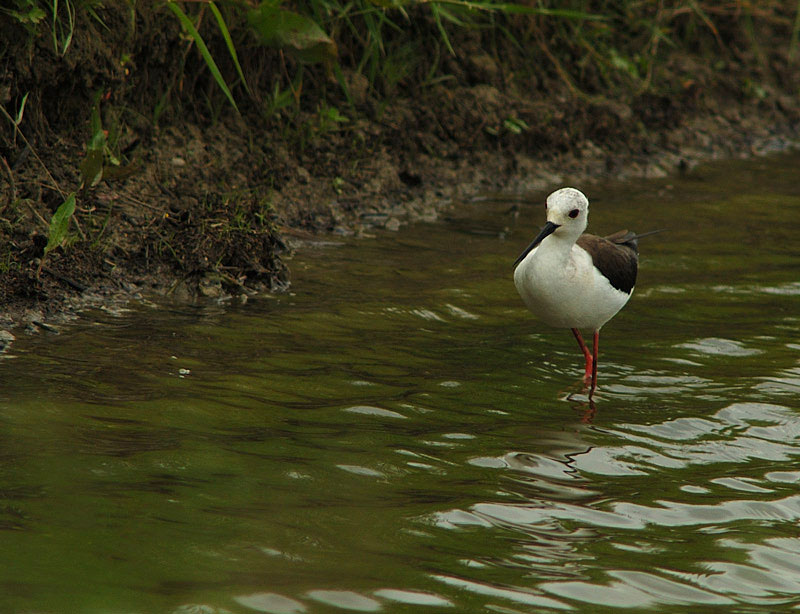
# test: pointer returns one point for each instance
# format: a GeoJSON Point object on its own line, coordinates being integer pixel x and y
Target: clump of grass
{"type": "Point", "coordinates": [590, 46]}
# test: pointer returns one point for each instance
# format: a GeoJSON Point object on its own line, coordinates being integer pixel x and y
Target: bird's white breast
{"type": "Point", "coordinates": [563, 288]}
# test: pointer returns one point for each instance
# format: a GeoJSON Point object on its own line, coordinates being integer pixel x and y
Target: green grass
{"type": "Point", "coordinates": [588, 45]}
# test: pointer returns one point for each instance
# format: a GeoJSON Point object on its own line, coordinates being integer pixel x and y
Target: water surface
{"type": "Point", "coordinates": [398, 434]}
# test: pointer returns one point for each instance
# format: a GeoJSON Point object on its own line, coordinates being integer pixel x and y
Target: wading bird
{"type": "Point", "coordinates": [575, 280]}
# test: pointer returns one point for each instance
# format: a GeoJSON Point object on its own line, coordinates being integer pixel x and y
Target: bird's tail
{"type": "Point", "coordinates": [647, 234]}
{"type": "Point", "coordinates": [630, 239]}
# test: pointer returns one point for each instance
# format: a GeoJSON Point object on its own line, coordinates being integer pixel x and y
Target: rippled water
{"type": "Point", "coordinates": [398, 434]}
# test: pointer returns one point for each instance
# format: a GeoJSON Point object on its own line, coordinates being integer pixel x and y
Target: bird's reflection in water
{"type": "Point", "coordinates": [581, 402]}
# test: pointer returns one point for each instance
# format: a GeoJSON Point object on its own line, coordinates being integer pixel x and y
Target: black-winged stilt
{"type": "Point", "coordinates": [575, 280]}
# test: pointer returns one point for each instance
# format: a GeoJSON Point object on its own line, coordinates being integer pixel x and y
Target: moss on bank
{"type": "Point", "coordinates": [377, 112]}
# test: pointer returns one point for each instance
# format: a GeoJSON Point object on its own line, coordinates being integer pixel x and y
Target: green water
{"type": "Point", "coordinates": [399, 435]}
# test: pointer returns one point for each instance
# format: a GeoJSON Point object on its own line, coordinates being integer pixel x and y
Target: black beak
{"type": "Point", "coordinates": [548, 229]}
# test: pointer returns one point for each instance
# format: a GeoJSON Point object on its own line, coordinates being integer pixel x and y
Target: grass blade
{"type": "Point", "coordinates": [201, 46]}
{"type": "Point", "coordinates": [223, 27]}
{"type": "Point", "coordinates": [435, 10]}
{"type": "Point", "coordinates": [21, 111]}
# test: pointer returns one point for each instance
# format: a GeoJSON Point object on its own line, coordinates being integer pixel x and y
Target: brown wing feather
{"type": "Point", "coordinates": [615, 256]}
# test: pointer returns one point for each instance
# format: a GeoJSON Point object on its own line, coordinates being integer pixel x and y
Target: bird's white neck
{"type": "Point", "coordinates": [558, 246]}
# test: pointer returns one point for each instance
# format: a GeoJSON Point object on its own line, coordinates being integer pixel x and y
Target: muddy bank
{"type": "Point", "coordinates": [209, 203]}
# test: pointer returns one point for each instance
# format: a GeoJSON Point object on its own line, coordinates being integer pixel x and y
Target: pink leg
{"type": "Point", "coordinates": [595, 347]}
{"type": "Point", "coordinates": [587, 376]}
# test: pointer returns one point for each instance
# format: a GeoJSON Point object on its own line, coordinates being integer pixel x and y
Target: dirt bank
{"type": "Point", "coordinates": [201, 201]}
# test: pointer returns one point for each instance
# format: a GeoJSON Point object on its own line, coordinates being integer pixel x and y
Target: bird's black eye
{"type": "Point", "coordinates": [574, 213]}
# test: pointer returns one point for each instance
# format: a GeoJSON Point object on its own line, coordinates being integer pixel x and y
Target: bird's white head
{"type": "Point", "coordinates": [567, 216]}
{"type": "Point", "coordinates": [568, 209]}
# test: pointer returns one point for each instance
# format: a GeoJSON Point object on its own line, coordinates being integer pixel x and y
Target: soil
{"type": "Point", "coordinates": [212, 204]}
